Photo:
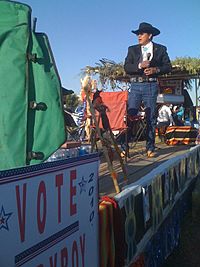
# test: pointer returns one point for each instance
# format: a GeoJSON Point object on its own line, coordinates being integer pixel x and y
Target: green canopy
{"type": "Point", "coordinates": [31, 112]}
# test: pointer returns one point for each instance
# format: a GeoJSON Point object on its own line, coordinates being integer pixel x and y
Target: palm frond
{"type": "Point", "coordinates": [110, 73]}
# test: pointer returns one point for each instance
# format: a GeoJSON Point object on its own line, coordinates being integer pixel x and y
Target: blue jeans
{"type": "Point", "coordinates": [147, 93]}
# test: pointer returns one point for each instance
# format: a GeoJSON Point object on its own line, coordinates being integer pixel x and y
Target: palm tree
{"type": "Point", "coordinates": [71, 102]}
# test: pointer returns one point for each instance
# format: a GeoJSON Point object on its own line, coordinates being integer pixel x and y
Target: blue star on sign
{"type": "Point", "coordinates": [4, 219]}
{"type": "Point", "coordinates": [82, 185]}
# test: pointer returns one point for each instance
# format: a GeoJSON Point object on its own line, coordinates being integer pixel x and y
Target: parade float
{"type": "Point", "coordinates": [51, 213]}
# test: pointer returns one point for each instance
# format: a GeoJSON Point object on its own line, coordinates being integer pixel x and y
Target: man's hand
{"type": "Point", "coordinates": [145, 64]}
{"type": "Point", "coordinates": [150, 71]}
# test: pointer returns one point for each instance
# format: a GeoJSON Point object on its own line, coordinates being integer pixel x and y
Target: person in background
{"type": "Point", "coordinates": [144, 62]}
{"type": "Point", "coordinates": [164, 120]}
{"type": "Point", "coordinates": [178, 115]}
{"type": "Point", "coordinates": [165, 116]}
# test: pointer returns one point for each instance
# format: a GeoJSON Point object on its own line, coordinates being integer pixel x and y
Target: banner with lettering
{"type": "Point", "coordinates": [49, 214]}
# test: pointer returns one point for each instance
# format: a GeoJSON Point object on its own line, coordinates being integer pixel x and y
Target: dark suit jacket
{"type": "Point", "coordinates": [160, 59]}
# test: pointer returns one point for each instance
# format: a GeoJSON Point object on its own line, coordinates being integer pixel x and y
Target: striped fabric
{"type": "Point", "coordinates": [106, 235]}
{"type": "Point", "coordinates": [180, 135]}
{"type": "Point", "coordinates": [111, 234]}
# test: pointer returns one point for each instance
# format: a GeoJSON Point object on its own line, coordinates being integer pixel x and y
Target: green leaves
{"type": "Point", "coordinates": [112, 74]}
{"type": "Point", "coordinates": [108, 72]}
{"type": "Point", "coordinates": [188, 64]}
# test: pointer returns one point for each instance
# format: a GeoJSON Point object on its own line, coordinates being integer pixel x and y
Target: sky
{"type": "Point", "coordinates": [83, 32]}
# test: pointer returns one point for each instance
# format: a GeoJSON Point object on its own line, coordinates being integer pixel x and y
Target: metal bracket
{"type": "Point", "coordinates": [35, 155]}
{"type": "Point", "coordinates": [37, 106]}
{"type": "Point", "coordinates": [32, 57]}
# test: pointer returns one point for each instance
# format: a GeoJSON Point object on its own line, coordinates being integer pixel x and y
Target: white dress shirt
{"type": "Point", "coordinates": [147, 49]}
{"type": "Point", "coordinates": [165, 115]}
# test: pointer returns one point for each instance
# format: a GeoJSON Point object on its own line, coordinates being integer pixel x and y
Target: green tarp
{"type": "Point", "coordinates": [31, 113]}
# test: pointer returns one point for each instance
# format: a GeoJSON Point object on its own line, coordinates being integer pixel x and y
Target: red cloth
{"type": "Point", "coordinates": [117, 108]}
{"type": "Point", "coordinates": [112, 236]}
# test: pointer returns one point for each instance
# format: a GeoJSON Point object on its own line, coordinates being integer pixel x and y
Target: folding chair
{"type": "Point", "coordinates": [137, 126]}
{"type": "Point", "coordinates": [116, 112]}
{"type": "Point", "coordinates": [117, 109]}
{"type": "Point", "coordinates": [127, 129]}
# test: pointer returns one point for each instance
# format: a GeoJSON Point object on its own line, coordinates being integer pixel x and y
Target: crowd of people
{"type": "Point", "coordinates": [168, 115]}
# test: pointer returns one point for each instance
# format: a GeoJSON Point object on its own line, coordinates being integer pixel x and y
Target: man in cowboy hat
{"type": "Point", "coordinates": [144, 62]}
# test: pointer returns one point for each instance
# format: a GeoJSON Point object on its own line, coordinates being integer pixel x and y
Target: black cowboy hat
{"type": "Point", "coordinates": [147, 28]}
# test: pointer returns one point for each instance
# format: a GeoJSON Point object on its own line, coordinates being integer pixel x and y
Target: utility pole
{"type": "Point", "coordinates": [196, 95]}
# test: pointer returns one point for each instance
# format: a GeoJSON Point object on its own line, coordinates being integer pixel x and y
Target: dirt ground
{"type": "Point", "coordinates": [188, 252]}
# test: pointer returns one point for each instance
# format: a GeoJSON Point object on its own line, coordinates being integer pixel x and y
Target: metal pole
{"type": "Point", "coordinates": [197, 99]}
{"type": "Point", "coordinates": [34, 24]}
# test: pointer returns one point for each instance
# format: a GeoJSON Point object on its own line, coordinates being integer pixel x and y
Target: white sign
{"type": "Point", "coordinates": [49, 215]}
